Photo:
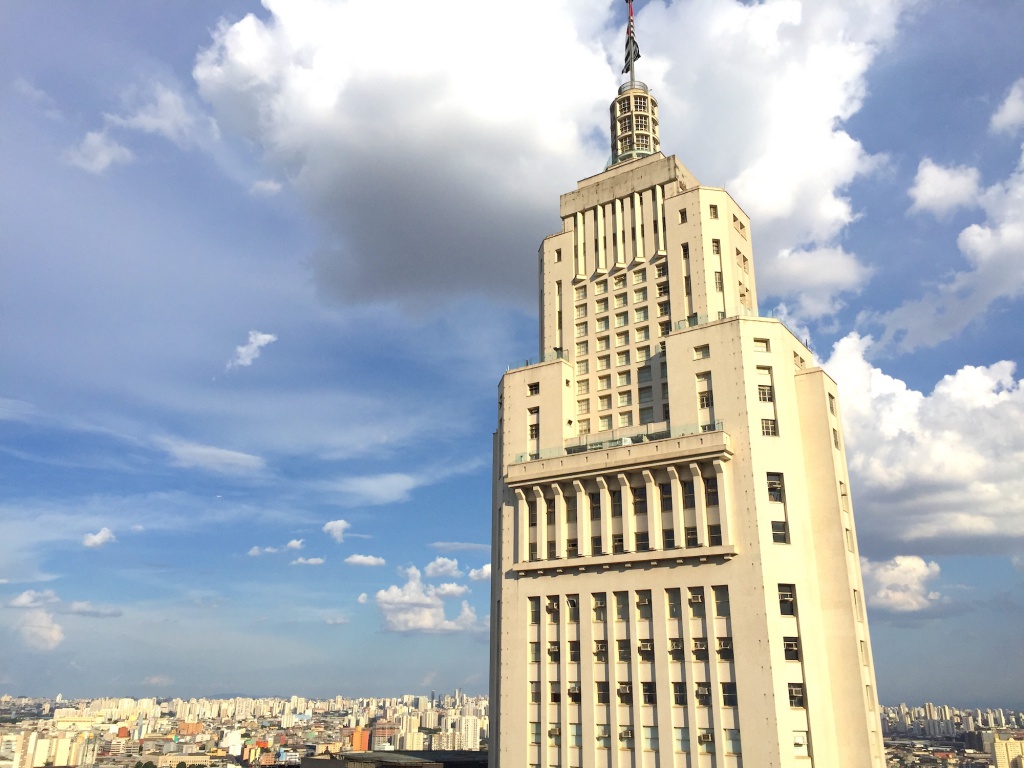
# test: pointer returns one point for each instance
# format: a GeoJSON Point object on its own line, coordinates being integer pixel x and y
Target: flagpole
{"type": "Point", "coordinates": [632, 28]}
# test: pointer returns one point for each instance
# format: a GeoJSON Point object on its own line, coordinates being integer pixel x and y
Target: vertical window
{"type": "Point", "coordinates": [679, 694]}
{"type": "Point", "coordinates": [722, 601]}
{"type": "Point", "coordinates": [690, 534]}
{"type": "Point", "coordinates": [535, 733]}
{"type": "Point", "coordinates": [682, 739]}
{"type": "Point", "coordinates": [535, 610]}
{"type": "Point", "coordinates": [716, 247]}
{"type": "Point", "coordinates": [649, 691]}
{"type": "Point", "coordinates": [595, 545]}
{"type": "Point", "coordinates": [533, 551]}
{"type": "Point", "coordinates": [787, 599]}
{"type": "Point", "coordinates": [776, 487]}
{"type": "Point", "coordinates": [618, 544]}
{"type": "Point", "coordinates": [534, 431]}
{"type": "Point", "coordinates": [572, 547]}
{"type": "Point", "coordinates": [643, 543]}
{"type": "Point", "coordinates": [711, 491]}
{"type": "Point", "coordinates": [835, 437]}
{"type": "Point", "coordinates": [769, 428]}
{"type": "Point", "coordinates": [713, 211]}
{"type": "Point", "coordinates": [675, 604]}
{"type": "Point", "coordinates": [572, 602]}
{"type": "Point", "coordinates": [725, 649]}
{"type": "Point", "coordinates": [575, 734]}
{"type": "Point", "coordinates": [533, 389]}
{"type": "Point", "coordinates": [534, 653]}
{"type": "Point", "coordinates": [697, 602]}
{"type": "Point", "coordinates": [666, 497]}
{"type": "Point", "coordinates": [688, 494]}
{"type": "Point", "coordinates": [622, 650]}
{"type": "Point", "coordinates": [714, 535]}
{"type": "Point", "coordinates": [682, 216]}
{"type": "Point", "coordinates": [535, 691]}
{"type": "Point", "coordinates": [595, 505]}
{"type": "Point", "coordinates": [832, 404]}
{"type": "Point", "coordinates": [702, 352]}
{"type": "Point", "coordinates": [616, 503]}
{"type": "Point", "coordinates": [552, 551]}
{"type": "Point", "coordinates": [791, 648]}
{"type": "Point", "coordinates": [599, 607]}
{"type": "Point", "coordinates": [729, 694]}
{"type": "Point", "coordinates": [796, 695]}
{"type": "Point", "coordinates": [621, 606]}
{"type": "Point", "coordinates": [640, 500]}
{"type": "Point", "coordinates": [762, 345]}
{"type": "Point", "coordinates": [780, 532]}
{"type": "Point", "coordinates": [719, 282]}
{"type": "Point", "coordinates": [556, 691]}
{"type": "Point", "coordinates": [732, 741]}
{"type": "Point", "coordinates": [550, 511]}
{"type": "Point", "coordinates": [574, 650]}
{"type": "Point", "coordinates": [669, 537]}
{"type": "Point", "coordinates": [651, 737]}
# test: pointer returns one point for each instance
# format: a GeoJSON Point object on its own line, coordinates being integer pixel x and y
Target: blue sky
{"type": "Point", "coordinates": [262, 267]}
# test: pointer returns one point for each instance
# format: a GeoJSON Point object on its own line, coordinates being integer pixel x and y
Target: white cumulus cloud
{"type": "Point", "coordinates": [419, 607]}
{"type": "Point", "coordinates": [901, 584]}
{"type": "Point", "coordinates": [363, 598]}
{"type": "Point", "coordinates": [994, 270]}
{"type": "Point", "coordinates": [365, 560]}
{"type": "Point", "coordinates": [932, 467]}
{"type": "Point", "coordinates": [747, 68]}
{"type": "Point", "coordinates": [102, 536]}
{"type": "Point", "coordinates": [451, 589]}
{"type": "Point", "coordinates": [1009, 118]}
{"type": "Point", "coordinates": [246, 353]}
{"type": "Point", "coordinates": [295, 544]}
{"type": "Point", "coordinates": [443, 566]}
{"type": "Point", "coordinates": [939, 190]}
{"type": "Point", "coordinates": [480, 574]}
{"type": "Point", "coordinates": [336, 529]}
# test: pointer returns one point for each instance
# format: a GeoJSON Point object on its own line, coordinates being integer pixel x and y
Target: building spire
{"type": "Point", "coordinates": [634, 112]}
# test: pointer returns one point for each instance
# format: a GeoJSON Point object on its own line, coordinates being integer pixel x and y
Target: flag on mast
{"type": "Point", "coordinates": [632, 49]}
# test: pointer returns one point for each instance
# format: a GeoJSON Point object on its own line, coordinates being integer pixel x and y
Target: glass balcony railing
{"type": "Point", "coordinates": [547, 357]}
{"type": "Point", "coordinates": [618, 437]}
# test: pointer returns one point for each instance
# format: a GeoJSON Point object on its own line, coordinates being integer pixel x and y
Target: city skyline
{"type": "Point", "coordinates": [249, 365]}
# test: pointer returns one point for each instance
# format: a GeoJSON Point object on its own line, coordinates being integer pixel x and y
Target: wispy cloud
{"type": "Point", "coordinates": [97, 152]}
{"type": "Point", "coordinates": [246, 353]}
{"type": "Point", "coordinates": [370, 560]}
{"type": "Point", "coordinates": [1009, 117]}
{"type": "Point", "coordinates": [460, 546]}
{"type": "Point", "coordinates": [188, 454]}
{"type": "Point", "coordinates": [308, 561]}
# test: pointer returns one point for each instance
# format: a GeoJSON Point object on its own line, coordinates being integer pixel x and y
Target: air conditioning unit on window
{"type": "Point", "coordinates": [646, 645]}
{"type": "Point", "coordinates": [700, 645]}
{"type": "Point", "coordinates": [725, 643]}
{"type": "Point", "coordinates": [555, 731]}
{"type": "Point", "coordinates": [552, 607]}
{"type": "Point", "coordinates": [600, 646]}
{"type": "Point", "coordinates": [799, 740]}
{"type": "Point", "coordinates": [571, 602]}
{"type": "Point", "coordinates": [643, 601]}
{"type": "Point", "coordinates": [705, 738]}
{"type": "Point", "coordinates": [626, 733]}
{"type": "Point", "coordinates": [574, 690]}
{"type": "Point", "coordinates": [703, 690]}
{"type": "Point", "coordinates": [625, 690]}
{"type": "Point", "coordinates": [675, 644]}
{"type": "Point", "coordinates": [599, 602]}
{"type": "Point", "coordinates": [696, 598]}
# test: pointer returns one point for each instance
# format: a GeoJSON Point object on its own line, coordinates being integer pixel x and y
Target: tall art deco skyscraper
{"type": "Point", "coordinates": [676, 578]}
